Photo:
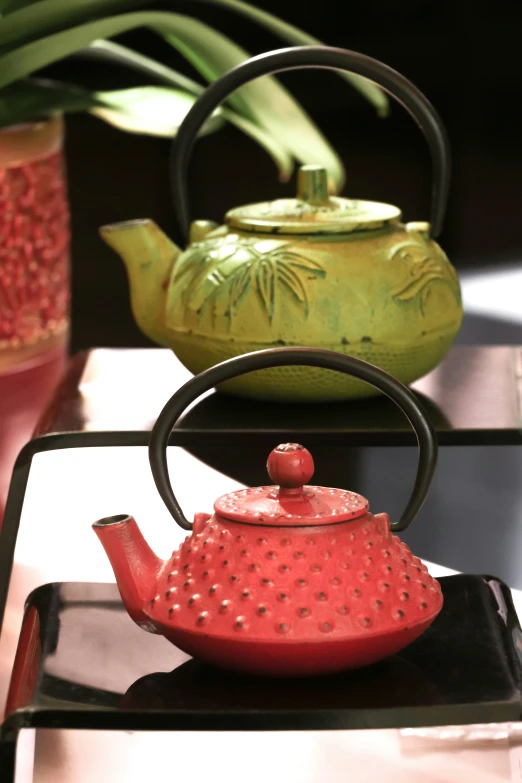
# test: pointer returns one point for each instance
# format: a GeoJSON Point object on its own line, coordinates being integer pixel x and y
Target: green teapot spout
{"type": "Point", "coordinates": [149, 257]}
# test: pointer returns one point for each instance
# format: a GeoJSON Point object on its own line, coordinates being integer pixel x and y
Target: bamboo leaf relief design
{"type": "Point", "coordinates": [238, 288]}
{"type": "Point", "coordinates": [236, 266]}
{"type": "Point", "coordinates": [265, 277]}
{"type": "Point", "coordinates": [294, 284]}
{"type": "Point", "coordinates": [306, 264]}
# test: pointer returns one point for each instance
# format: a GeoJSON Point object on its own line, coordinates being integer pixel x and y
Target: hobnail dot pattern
{"type": "Point", "coordinates": [341, 581]}
{"type": "Point", "coordinates": [311, 384]}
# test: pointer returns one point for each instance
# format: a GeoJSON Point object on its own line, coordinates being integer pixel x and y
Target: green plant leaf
{"type": "Point", "coordinates": [264, 101]}
{"type": "Point", "coordinates": [30, 57]}
{"type": "Point", "coordinates": [117, 54]}
{"type": "Point", "coordinates": [269, 104]}
{"type": "Point", "coordinates": [122, 55]}
{"type": "Point", "coordinates": [297, 37]}
{"type": "Point", "coordinates": [49, 16]}
{"type": "Point", "coordinates": [33, 20]}
{"type": "Point", "coordinates": [31, 98]}
{"type": "Point", "coordinates": [8, 6]}
{"type": "Point", "coordinates": [159, 111]}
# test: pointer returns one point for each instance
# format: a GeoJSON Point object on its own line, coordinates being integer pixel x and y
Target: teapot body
{"type": "Point", "coordinates": [288, 579]}
{"type": "Point", "coordinates": [293, 601]}
{"type": "Point", "coordinates": [388, 296]}
{"type": "Point", "coordinates": [317, 271]}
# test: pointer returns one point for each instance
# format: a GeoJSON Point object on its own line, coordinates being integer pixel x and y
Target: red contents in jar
{"type": "Point", "coordinates": [34, 252]}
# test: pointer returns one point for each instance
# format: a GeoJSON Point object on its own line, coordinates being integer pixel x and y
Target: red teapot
{"type": "Point", "coordinates": [288, 579]}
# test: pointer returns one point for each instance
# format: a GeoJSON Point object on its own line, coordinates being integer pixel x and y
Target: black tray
{"type": "Point", "coordinates": [82, 663]}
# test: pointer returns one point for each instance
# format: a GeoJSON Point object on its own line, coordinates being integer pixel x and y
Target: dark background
{"type": "Point", "coordinates": [464, 55]}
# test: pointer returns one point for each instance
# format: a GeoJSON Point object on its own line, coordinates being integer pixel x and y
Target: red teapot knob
{"type": "Point", "coordinates": [290, 466]}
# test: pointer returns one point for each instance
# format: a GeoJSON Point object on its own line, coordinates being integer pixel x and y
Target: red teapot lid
{"type": "Point", "coordinates": [291, 502]}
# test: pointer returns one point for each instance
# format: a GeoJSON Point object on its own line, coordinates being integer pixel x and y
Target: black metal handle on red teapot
{"type": "Point", "coordinates": [392, 82]}
{"type": "Point", "coordinates": [304, 357]}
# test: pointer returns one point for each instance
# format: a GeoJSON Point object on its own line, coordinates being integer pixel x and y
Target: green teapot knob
{"type": "Point", "coordinates": [312, 185]}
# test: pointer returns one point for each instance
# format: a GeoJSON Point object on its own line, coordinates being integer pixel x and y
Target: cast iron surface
{"type": "Point", "coordinates": [84, 664]}
{"type": "Point", "coordinates": [308, 357]}
{"type": "Point", "coordinates": [314, 57]}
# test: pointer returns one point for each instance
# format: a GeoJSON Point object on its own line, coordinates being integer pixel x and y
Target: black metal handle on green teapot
{"type": "Point", "coordinates": [304, 357]}
{"type": "Point", "coordinates": [400, 88]}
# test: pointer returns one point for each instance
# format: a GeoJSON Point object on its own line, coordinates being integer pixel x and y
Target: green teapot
{"type": "Point", "coordinates": [318, 270]}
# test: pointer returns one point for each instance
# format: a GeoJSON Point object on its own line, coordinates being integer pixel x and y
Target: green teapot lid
{"type": "Point", "coordinates": [314, 211]}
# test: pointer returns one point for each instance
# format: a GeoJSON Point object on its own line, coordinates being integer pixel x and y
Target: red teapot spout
{"type": "Point", "coordinates": [135, 565]}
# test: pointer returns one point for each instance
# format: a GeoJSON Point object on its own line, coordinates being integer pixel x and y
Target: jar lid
{"type": "Point", "coordinates": [314, 211]}
{"type": "Point", "coordinates": [291, 502]}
